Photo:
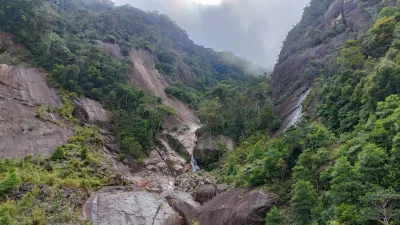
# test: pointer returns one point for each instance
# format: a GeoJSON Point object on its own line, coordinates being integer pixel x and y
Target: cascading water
{"type": "Point", "coordinates": [193, 162]}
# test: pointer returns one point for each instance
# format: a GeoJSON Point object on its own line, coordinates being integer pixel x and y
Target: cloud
{"type": "Point", "coordinates": [254, 29]}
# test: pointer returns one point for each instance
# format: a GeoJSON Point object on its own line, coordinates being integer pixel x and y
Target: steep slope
{"type": "Point", "coordinates": [323, 30]}
{"type": "Point", "coordinates": [147, 77]}
{"type": "Point", "coordinates": [22, 91]}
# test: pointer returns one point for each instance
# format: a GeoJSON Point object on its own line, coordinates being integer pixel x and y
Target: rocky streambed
{"type": "Point", "coordinates": [163, 190]}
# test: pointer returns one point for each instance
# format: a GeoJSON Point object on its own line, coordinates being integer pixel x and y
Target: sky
{"type": "Point", "coordinates": [253, 29]}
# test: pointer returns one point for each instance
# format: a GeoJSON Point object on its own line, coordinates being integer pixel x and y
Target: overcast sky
{"type": "Point", "coordinates": [253, 29]}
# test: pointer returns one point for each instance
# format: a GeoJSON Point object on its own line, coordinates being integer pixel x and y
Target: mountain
{"type": "Point", "coordinates": [100, 112]}
{"type": "Point", "coordinates": [108, 110]}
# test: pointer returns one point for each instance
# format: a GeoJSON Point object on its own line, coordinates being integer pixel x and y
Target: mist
{"type": "Point", "coordinates": [252, 29]}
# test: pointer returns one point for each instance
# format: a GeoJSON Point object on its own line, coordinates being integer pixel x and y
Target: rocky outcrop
{"type": "Point", "coordinates": [184, 204]}
{"type": "Point", "coordinates": [205, 193]}
{"type": "Point", "coordinates": [237, 207]}
{"type": "Point", "coordinates": [129, 208]}
{"type": "Point", "coordinates": [7, 44]}
{"type": "Point", "coordinates": [290, 70]}
{"type": "Point", "coordinates": [90, 112]}
{"type": "Point", "coordinates": [208, 147]}
{"type": "Point", "coordinates": [113, 49]}
{"type": "Point", "coordinates": [147, 77]}
{"type": "Point", "coordinates": [22, 91]}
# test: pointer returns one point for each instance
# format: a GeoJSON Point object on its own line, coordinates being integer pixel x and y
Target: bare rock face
{"type": "Point", "coordinates": [184, 204]}
{"type": "Point", "coordinates": [92, 112]}
{"type": "Point", "coordinates": [22, 91]}
{"type": "Point", "coordinates": [290, 70]}
{"type": "Point", "coordinates": [129, 208]}
{"type": "Point", "coordinates": [164, 159]}
{"type": "Point", "coordinates": [237, 207]}
{"type": "Point", "coordinates": [7, 44]}
{"type": "Point", "coordinates": [205, 193]}
{"type": "Point", "coordinates": [208, 146]}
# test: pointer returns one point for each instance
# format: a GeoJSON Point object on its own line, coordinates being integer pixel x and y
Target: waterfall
{"type": "Point", "coordinates": [194, 165]}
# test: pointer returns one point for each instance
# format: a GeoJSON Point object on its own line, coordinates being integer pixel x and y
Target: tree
{"type": "Point", "coordinates": [274, 217]}
{"type": "Point", "coordinates": [344, 185]}
{"type": "Point", "coordinates": [348, 214]}
{"type": "Point", "coordinates": [372, 164]}
{"type": "Point", "coordinates": [304, 199]}
{"type": "Point", "coordinates": [382, 205]}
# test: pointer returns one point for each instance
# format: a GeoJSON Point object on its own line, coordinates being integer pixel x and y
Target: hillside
{"type": "Point", "coordinates": [108, 110]}
{"type": "Point", "coordinates": [101, 112]}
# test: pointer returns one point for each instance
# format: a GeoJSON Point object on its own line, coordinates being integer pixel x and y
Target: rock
{"type": "Point", "coordinates": [205, 193]}
{"type": "Point", "coordinates": [165, 161]}
{"type": "Point", "coordinates": [184, 204]}
{"type": "Point", "coordinates": [116, 180]}
{"type": "Point", "coordinates": [222, 188]}
{"type": "Point", "coordinates": [152, 182]}
{"type": "Point", "coordinates": [91, 112]}
{"type": "Point", "coordinates": [190, 182]}
{"type": "Point", "coordinates": [129, 208]}
{"type": "Point", "coordinates": [22, 91]}
{"type": "Point", "coordinates": [237, 207]}
{"type": "Point", "coordinates": [208, 146]}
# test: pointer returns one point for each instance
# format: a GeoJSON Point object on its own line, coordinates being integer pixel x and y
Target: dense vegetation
{"type": "Point", "coordinates": [339, 166]}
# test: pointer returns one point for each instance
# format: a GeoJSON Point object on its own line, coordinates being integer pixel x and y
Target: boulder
{"type": "Point", "coordinates": [165, 160]}
{"type": "Point", "coordinates": [91, 112]}
{"type": "Point", "coordinates": [129, 208]}
{"type": "Point", "coordinates": [184, 204]}
{"type": "Point", "coordinates": [237, 207]}
{"type": "Point", "coordinates": [190, 182]}
{"type": "Point", "coordinates": [205, 193]}
{"type": "Point", "coordinates": [222, 188]}
{"type": "Point", "coordinates": [152, 182]}
{"type": "Point", "coordinates": [207, 149]}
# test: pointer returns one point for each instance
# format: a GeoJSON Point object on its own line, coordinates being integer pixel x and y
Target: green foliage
{"type": "Point", "coordinates": [41, 112]}
{"type": "Point", "coordinates": [9, 182]}
{"type": "Point", "coordinates": [274, 217]}
{"type": "Point", "coordinates": [239, 111]}
{"type": "Point", "coordinates": [186, 94]}
{"type": "Point", "coordinates": [6, 219]}
{"type": "Point", "coordinates": [58, 154]}
{"type": "Point", "coordinates": [313, 16]}
{"type": "Point", "coordinates": [304, 199]}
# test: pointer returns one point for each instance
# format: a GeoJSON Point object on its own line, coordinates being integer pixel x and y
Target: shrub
{"type": "Point", "coordinates": [58, 154]}
{"type": "Point", "coordinates": [9, 183]}
{"type": "Point", "coordinates": [41, 112]}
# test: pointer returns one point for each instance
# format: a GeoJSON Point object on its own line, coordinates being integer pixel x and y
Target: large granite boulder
{"type": "Point", "coordinates": [208, 147]}
{"type": "Point", "coordinates": [129, 208]}
{"type": "Point", "coordinates": [237, 207]}
{"type": "Point", "coordinates": [205, 193]}
{"type": "Point", "coordinates": [184, 204]}
{"type": "Point", "coordinates": [22, 91]}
